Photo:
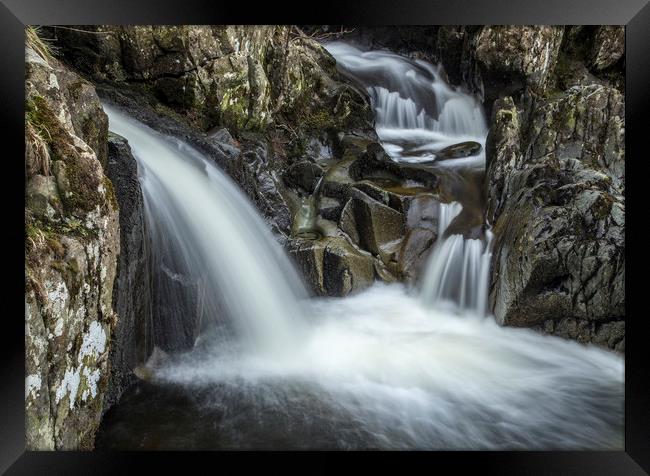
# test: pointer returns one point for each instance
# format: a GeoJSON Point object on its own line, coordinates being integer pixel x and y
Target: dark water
{"type": "Point", "coordinates": [173, 417]}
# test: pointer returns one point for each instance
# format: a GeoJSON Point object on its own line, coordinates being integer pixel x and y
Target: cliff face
{"type": "Point", "coordinates": [71, 251]}
{"type": "Point", "coordinates": [559, 214]}
{"type": "Point", "coordinates": [555, 184]}
{"type": "Point", "coordinates": [131, 341]}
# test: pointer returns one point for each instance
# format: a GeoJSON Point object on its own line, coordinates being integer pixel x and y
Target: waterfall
{"type": "Point", "coordinates": [212, 254]}
{"type": "Point", "coordinates": [457, 270]}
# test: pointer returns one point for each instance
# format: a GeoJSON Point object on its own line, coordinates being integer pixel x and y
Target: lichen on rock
{"type": "Point", "coordinates": [71, 249]}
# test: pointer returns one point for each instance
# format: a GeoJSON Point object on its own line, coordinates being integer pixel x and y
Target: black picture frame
{"type": "Point", "coordinates": [15, 14]}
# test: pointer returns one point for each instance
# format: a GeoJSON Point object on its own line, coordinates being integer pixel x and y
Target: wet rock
{"type": "Point", "coordinates": [86, 113]}
{"type": "Point", "coordinates": [383, 196]}
{"type": "Point", "coordinates": [511, 58]}
{"type": "Point", "coordinates": [330, 208]}
{"type": "Point", "coordinates": [166, 121]}
{"type": "Point", "coordinates": [376, 164]}
{"type": "Point", "coordinates": [555, 200]}
{"type": "Point", "coordinates": [373, 226]}
{"type": "Point", "coordinates": [333, 266]}
{"type": "Point", "coordinates": [222, 139]}
{"type": "Point", "coordinates": [607, 334]}
{"type": "Point", "coordinates": [422, 212]}
{"type": "Point", "coordinates": [451, 50]}
{"type": "Point", "coordinates": [587, 123]}
{"type": "Point", "coordinates": [132, 336]}
{"type": "Point", "coordinates": [222, 135]}
{"type": "Point", "coordinates": [413, 251]}
{"type": "Point", "coordinates": [255, 173]}
{"type": "Point", "coordinates": [468, 223]}
{"type": "Point", "coordinates": [345, 269]}
{"type": "Point", "coordinates": [43, 196]}
{"type": "Point", "coordinates": [304, 175]}
{"type": "Point", "coordinates": [456, 151]}
{"type": "Point", "coordinates": [503, 154]}
{"type": "Point", "coordinates": [355, 142]}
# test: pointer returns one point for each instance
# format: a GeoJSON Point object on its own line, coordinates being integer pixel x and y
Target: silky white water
{"type": "Point", "coordinates": [387, 368]}
{"type": "Point", "coordinates": [458, 269]}
{"type": "Point", "coordinates": [417, 113]}
{"type": "Point", "coordinates": [202, 226]}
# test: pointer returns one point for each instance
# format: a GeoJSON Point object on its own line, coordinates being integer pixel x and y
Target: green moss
{"type": "Point", "coordinates": [50, 232]}
{"type": "Point", "coordinates": [38, 114]}
{"type": "Point", "coordinates": [46, 123]}
{"type": "Point", "coordinates": [110, 193]}
{"type": "Point", "coordinates": [84, 184]}
{"type": "Point", "coordinates": [321, 120]}
{"type": "Point", "coordinates": [571, 120]}
{"type": "Point", "coordinates": [234, 107]}
{"type": "Point", "coordinates": [84, 194]}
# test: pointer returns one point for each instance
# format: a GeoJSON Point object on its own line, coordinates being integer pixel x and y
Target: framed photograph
{"type": "Point", "coordinates": [387, 230]}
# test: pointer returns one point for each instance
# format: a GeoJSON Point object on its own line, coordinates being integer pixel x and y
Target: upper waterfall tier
{"type": "Point", "coordinates": [417, 112]}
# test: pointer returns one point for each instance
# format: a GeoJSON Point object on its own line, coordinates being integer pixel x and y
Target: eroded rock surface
{"type": "Point", "coordinates": [72, 244]}
{"type": "Point", "coordinates": [556, 202]}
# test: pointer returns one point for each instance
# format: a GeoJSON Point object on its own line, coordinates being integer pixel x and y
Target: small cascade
{"type": "Point", "coordinates": [457, 271]}
{"type": "Point", "coordinates": [418, 117]}
{"type": "Point", "coordinates": [417, 112]}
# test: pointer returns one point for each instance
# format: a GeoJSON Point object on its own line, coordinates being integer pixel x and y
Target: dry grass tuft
{"type": "Point", "coordinates": [37, 150]}
{"type": "Point", "coordinates": [38, 44]}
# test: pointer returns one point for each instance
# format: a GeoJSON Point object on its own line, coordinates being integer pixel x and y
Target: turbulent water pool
{"type": "Point", "coordinates": [381, 371]}
{"type": "Point", "coordinates": [388, 368]}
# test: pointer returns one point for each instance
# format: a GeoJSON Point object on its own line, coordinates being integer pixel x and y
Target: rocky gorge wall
{"type": "Point", "coordinates": [555, 180]}
{"type": "Point", "coordinates": [270, 107]}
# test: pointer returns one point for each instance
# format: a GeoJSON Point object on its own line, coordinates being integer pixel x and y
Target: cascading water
{"type": "Point", "coordinates": [382, 369]}
{"type": "Point", "coordinates": [209, 241]}
{"type": "Point", "coordinates": [458, 269]}
{"type": "Point", "coordinates": [417, 113]}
